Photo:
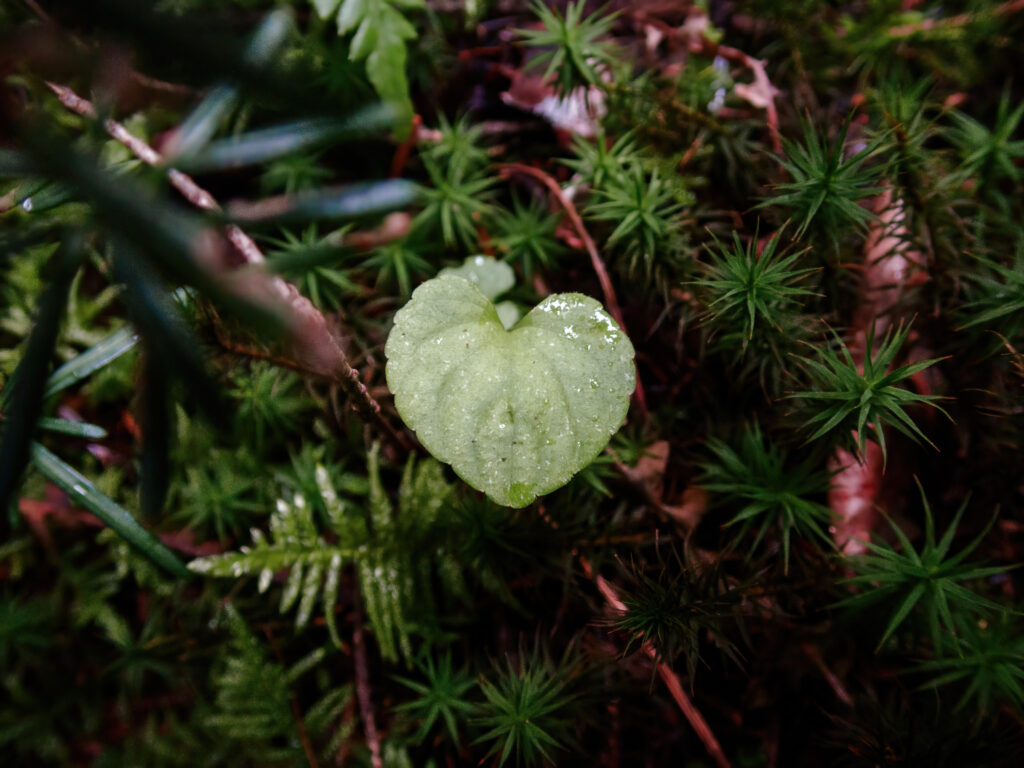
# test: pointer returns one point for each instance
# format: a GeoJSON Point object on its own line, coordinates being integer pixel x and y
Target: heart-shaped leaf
{"type": "Point", "coordinates": [515, 412]}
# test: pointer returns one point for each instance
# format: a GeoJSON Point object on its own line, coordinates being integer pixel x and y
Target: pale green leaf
{"type": "Point", "coordinates": [515, 412]}
{"type": "Point", "coordinates": [508, 312]}
{"type": "Point", "coordinates": [325, 8]}
{"type": "Point", "coordinates": [491, 276]}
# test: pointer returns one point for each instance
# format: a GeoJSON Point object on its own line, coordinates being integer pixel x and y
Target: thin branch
{"type": "Point", "coordinates": [831, 678]}
{"type": "Point", "coordinates": [951, 22]}
{"type": "Point", "coordinates": [763, 90]}
{"type": "Point", "coordinates": [610, 299]}
{"type": "Point", "coordinates": [319, 351]}
{"type": "Point", "coordinates": [405, 148]}
{"type": "Point", "coordinates": [39, 11]}
{"type": "Point", "coordinates": [607, 288]}
{"type": "Point", "coordinates": [671, 679]}
{"type": "Point", "coordinates": [363, 684]}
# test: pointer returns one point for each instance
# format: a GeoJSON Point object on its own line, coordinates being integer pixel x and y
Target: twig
{"type": "Point", "coordinates": [307, 745]}
{"type": "Point", "coordinates": [320, 352]}
{"type": "Point", "coordinates": [405, 148]}
{"type": "Point", "coordinates": [39, 11]}
{"type": "Point", "coordinates": [761, 82]}
{"type": "Point", "coordinates": [363, 684]}
{"type": "Point", "coordinates": [689, 154]}
{"type": "Point", "coordinates": [162, 85]}
{"type": "Point", "coordinates": [506, 170]}
{"type": "Point", "coordinates": [830, 677]}
{"type": "Point", "coordinates": [671, 679]}
{"type": "Point", "coordinates": [960, 20]}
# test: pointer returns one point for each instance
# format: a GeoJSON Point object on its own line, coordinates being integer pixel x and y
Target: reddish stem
{"type": "Point", "coordinates": [610, 299]}
{"type": "Point", "coordinates": [405, 148]}
{"type": "Point", "coordinates": [671, 679]}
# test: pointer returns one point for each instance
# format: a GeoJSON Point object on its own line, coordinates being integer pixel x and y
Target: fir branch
{"type": "Point", "coordinates": [319, 352]}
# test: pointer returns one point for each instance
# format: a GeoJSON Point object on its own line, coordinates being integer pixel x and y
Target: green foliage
{"type": "Point", "coordinates": [458, 146]}
{"type": "Point", "coordinates": [82, 491]}
{"type": "Point", "coordinates": [525, 707]}
{"type": "Point", "coordinates": [854, 400]}
{"type": "Point", "coordinates": [442, 697]}
{"type": "Point", "coordinates": [997, 301]}
{"type": "Point", "coordinates": [253, 697]}
{"type": "Point", "coordinates": [826, 186]}
{"type": "Point", "coordinates": [381, 33]}
{"type": "Point", "coordinates": [211, 416]}
{"type": "Point", "coordinates": [293, 173]}
{"type": "Point", "coordinates": [25, 628]}
{"type": "Point", "coordinates": [989, 154]}
{"type": "Point", "coordinates": [884, 728]}
{"type": "Point", "coordinates": [989, 659]}
{"type": "Point", "coordinates": [218, 496]}
{"type": "Point", "coordinates": [909, 129]}
{"type": "Point", "coordinates": [458, 202]}
{"type": "Point", "coordinates": [326, 285]}
{"type": "Point", "coordinates": [391, 576]}
{"type": "Point", "coordinates": [743, 291]}
{"type": "Point", "coordinates": [643, 208]}
{"type": "Point", "coordinates": [570, 45]}
{"type": "Point", "coordinates": [295, 544]}
{"type": "Point", "coordinates": [928, 580]}
{"type": "Point", "coordinates": [678, 609]}
{"type": "Point", "coordinates": [268, 404]}
{"type": "Point", "coordinates": [516, 413]}
{"type": "Point", "coordinates": [767, 490]}
{"type": "Point", "coordinates": [252, 692]}
{"type": "Point", "coordinates": [600, 162]}
{"type": "Point", "coordinates": [526, 236]}
{"type": "Point", "coordinates": [395, 264]}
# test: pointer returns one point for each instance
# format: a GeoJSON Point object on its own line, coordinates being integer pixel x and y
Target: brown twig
{"type": "Point", "coordinates": [405, 148]}
{"type": "Point", "coordinates": [830, 677]}
{"type": "Point", "coordinates": [300, 724]}
{"type": "Point", "coordinates": [762, 83]}
{"type": "Point", "coordinates": [607, 289]}
{"type": "Point", "coordinates": [319, 353]}
{"type": "Point", "coordinates": [39, 11]}
{"type": "Point", "coordinates": [665, 672]}
{"type": "Point", "coordinates": [363, 684]}
{"type": "Point", "coordinates": [507, 169]}
{"type": "Point", "coordinates": [960, 20]}
{"type": "Point", "coordinates": [182, 182]}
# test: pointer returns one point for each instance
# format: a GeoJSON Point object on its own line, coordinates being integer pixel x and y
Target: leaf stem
{"type": "Point", "coordinates": [506, 170]}
{"type": "Point", "coordinates": [671, 679]}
